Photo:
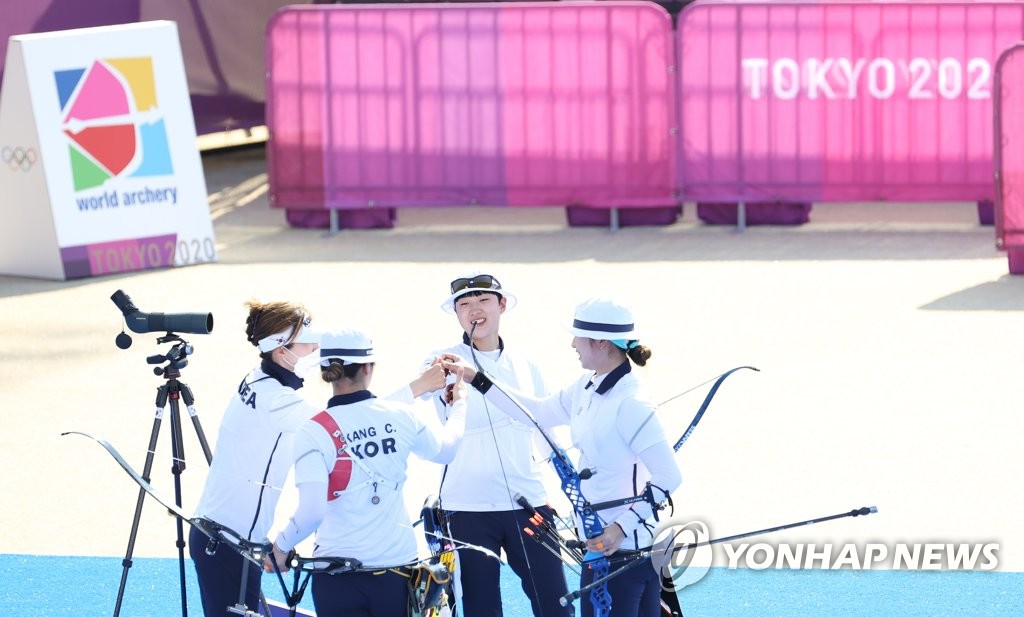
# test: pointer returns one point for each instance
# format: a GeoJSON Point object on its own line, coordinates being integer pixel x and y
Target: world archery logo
{"type": "Point", "coordinates": [111, 117]}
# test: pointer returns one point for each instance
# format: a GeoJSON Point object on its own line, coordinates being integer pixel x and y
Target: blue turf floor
{"type": "Point", "coordinates": [86, 586]}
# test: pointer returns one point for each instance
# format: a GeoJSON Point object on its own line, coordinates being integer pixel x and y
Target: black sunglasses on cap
{"type": "Point", "coordinates": [480, 281]}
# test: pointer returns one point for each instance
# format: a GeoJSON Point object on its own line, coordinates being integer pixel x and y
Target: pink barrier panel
{"type": "Point", "coordinates": [1009, 106]}
{"type": "Point", "coordinates": [840, 101]}
{"type": "Point", "coordinates": [456, 104]}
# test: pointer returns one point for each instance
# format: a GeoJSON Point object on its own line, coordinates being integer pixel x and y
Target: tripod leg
{"type": "Point", "coordinates": [161, 401]}
{"type": "Point", "coordinates": [186, 395]}
{"type": "Point", "coordinates": [178, 465]}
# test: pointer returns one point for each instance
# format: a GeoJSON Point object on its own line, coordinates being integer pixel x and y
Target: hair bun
{"type": "Point", "coordinates": [252, 321]}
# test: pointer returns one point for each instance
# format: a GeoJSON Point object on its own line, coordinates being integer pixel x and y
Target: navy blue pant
{"type": "Point", "coordinates": [220, 576]}
{"type": "Point", "coordinates": [361, 594]}
{"type": "Point", "coordinates": [540, 571]}
{"type": "Point", "coordinates": [635, 593]}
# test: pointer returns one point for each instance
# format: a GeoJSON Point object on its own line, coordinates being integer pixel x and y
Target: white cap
{"type": "Point", "coordinates": [476, 282]}
{"type": "Point", "coordinates": [351, 346]}
{"type": "Point", "coordinates": [603, 319]}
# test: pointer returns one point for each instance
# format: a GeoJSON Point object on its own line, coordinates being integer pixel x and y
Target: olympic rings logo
{"type": "Point", "coordinates": [18, 158]}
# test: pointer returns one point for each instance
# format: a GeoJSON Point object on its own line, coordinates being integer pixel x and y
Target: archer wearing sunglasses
{"type": "Point", "coordinates": [495, 463]}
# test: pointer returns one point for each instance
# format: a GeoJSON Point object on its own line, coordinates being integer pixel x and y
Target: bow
{"type": "Point", "coordinates": [704, 405]}
{"type": "Point", "coordinates": [218, 534]}
{"type": "Point", "coordinates": [668, 595]}
{"type": "Point", "coordinates": [669, 599]}
{"type": "Point", "coordinates": [253, 551]}
{"type": "Point", "coordinates": [142, 482]}
{"type": "Point", "coordinates": [571, 485]}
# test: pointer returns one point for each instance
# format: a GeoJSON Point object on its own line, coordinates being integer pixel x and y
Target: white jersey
{"type": "Point", "coordinates": [611, 424]}
{"type": "Point", "coordinates": [475, 481]}
{"type": "Point", "coordinates": [254, 451]}
{"type": "Point", "coordinates": [366, 516]}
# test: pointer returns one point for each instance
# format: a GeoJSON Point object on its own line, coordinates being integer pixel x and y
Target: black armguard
{"type": "Point", "coordinates": [481, 382]}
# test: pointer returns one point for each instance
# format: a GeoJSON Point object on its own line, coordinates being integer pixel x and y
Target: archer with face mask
{"type": "Point", "coordinates": [254, 447]}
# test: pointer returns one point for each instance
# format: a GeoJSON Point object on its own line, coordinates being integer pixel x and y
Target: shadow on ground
{"type": "Point", "coordinates": [249, 231]}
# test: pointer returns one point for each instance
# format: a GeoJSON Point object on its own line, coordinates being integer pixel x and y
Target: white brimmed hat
{"type": "Point", "coordinates": [351, 346]}
{"type": "Point", "coordinates": [476, 282]}
{"type": "Point", "coordinates": [603, 319]}
{"type": "Point", "coordinates": [307, 334]}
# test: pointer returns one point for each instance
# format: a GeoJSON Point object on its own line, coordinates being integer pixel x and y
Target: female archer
{"type": "Point", "coordinates": [494, 461]}
{"type": "Point", "coordinates": [618, 436]}
{"type": "Point", "coordinates": [350, 469]}
{"type": "Point", "coordinates": [252, 454]}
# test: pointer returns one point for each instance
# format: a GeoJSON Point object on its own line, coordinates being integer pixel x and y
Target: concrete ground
{"type": "Point", "coordinates": [888, 336]}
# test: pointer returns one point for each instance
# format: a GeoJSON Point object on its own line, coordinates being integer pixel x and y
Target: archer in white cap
{"type": "Point", "coordinates": [496, 462]}
{"type": "Point", "coordinates": [350, 469]}
{"type": "Point", "coordinates": [617, 433]}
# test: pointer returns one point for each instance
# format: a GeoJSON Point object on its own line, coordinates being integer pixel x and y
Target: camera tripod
{"type": "Point", "coordinates": [174, 391]}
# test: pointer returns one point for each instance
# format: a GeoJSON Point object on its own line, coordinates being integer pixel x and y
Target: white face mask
{"type": "Point", "coordinates": [305, 365]}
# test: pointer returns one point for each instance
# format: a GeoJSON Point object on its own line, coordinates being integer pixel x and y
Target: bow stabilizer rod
{"type": "Point", "coordinates": [643, 555]}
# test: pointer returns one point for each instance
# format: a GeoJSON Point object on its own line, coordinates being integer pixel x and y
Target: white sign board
{"type": "Point", "coordinates": [99, 169]}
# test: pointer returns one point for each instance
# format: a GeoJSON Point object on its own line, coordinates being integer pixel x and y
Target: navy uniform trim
{"type": "Point", "coordinates": [613, 377]}
{"type": "Point", "coordinates": [281, 374]}
{"type": "Point", "coordinates": [350, 398]}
